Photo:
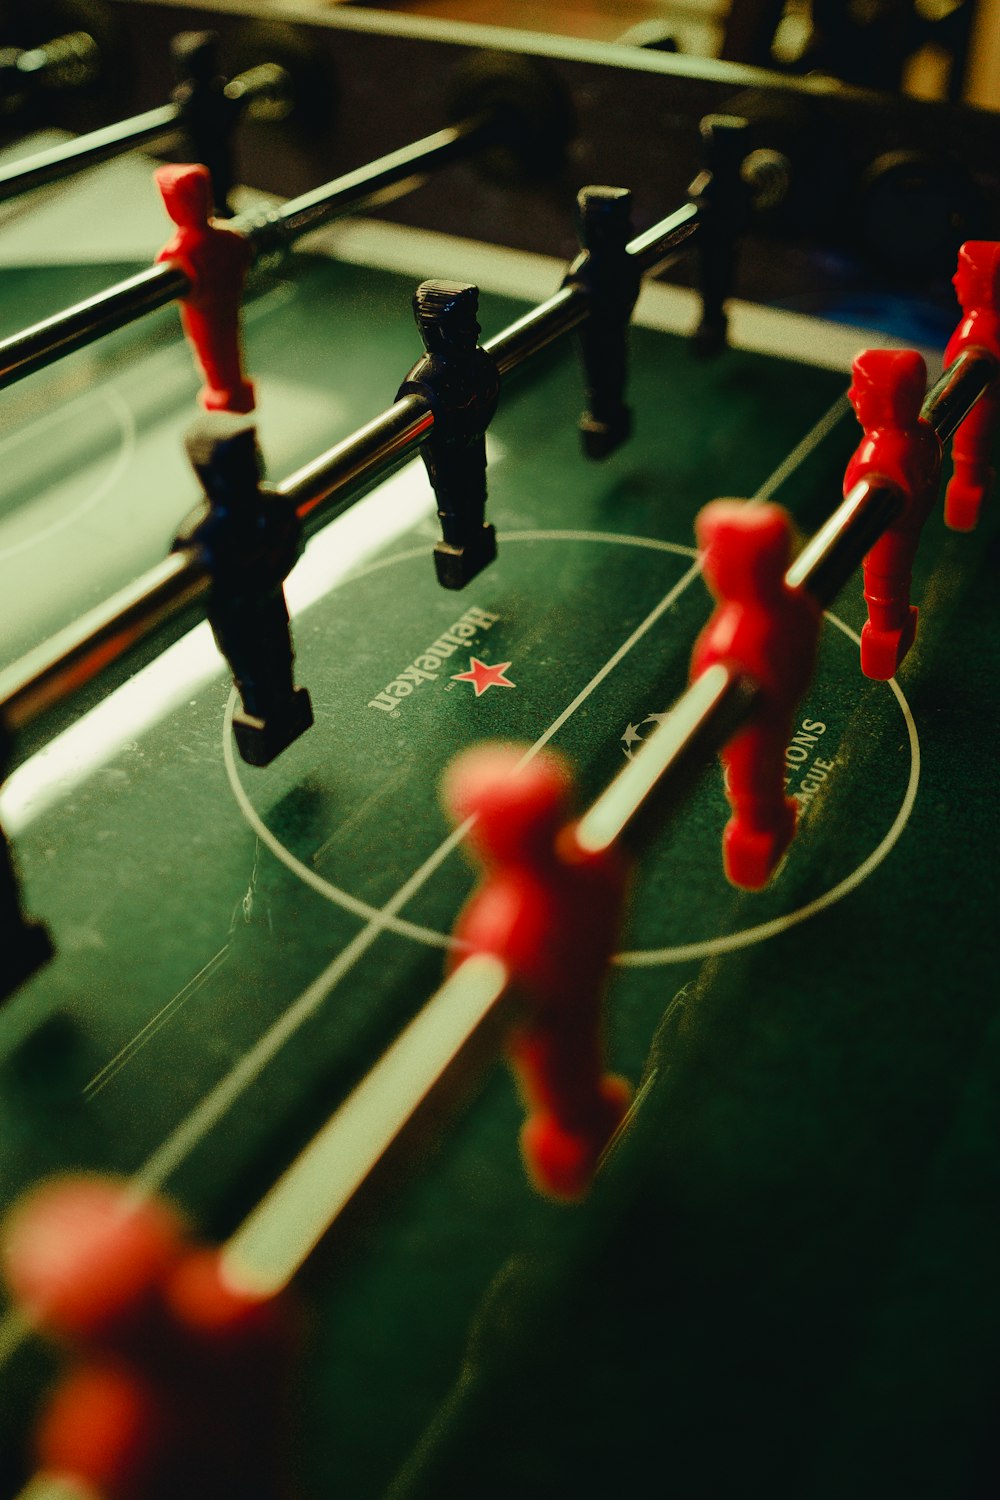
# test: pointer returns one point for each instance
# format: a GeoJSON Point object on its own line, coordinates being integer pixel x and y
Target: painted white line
{"type": "Point", "coordinates": [802, 450]}
{"type": "Point", "coordinates": [216, 1103]}
{"type": "Point", "coordinates": [113, 1067]}
{"type": "Point", "coordinates": [669, 598]}
{"type": "Point", "coordinates": [122, 460]}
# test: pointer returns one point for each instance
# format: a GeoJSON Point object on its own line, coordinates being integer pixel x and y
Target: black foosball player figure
{"type": "Point", "coordinates": [609, 275]}
{"type": "Point", "coordinates": [24, 944]}
{"type": "Point", "coordinates": [724, 200]}
{"type": "Point", "coordinates": [250, 539]}
{"type": "Point", "coordinates": [461, 384]}
{"type": "Point", "coordinates": [209, 117]}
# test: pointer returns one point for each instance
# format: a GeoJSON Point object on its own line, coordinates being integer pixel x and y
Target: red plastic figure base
{"type": "Point", "coordinates": [551, 913]}
{"type": "Point", "coordinates": [770, 633]}
{"type": "Point", "coordinates": [977, 283]}
{"type": "Point", "coordinates": [889, 387]}
{"type": "Point", "coordinates": [177, 1382]}
{"type": "Point", "coordinates": [215, 260]}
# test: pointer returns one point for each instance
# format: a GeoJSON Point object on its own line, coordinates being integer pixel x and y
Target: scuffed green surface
{"type": "Point", "coordinates": [784, 1282]}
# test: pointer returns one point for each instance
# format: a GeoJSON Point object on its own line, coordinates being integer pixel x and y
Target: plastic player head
{"type": "Point", "coordinates": [977, 279]}
{"type": "Point", "coordinates": [518, 812]}
{"type": "Point", "coordinates": [225, 454]}
{"type": "Point", "coordinates": [887, 395]}
{"type": "Point", "coordinates": [84, 1263]}
{"type": "Point", "coordinates": [187, 194]}
{"type": "Point", "coordinates": [888, 388]}
{"type": "Point", "coordinates": [746, 551]}
{"type": "Point", "coordinates": [447, 316]}
{"type": "Point", "coordinates": [977, 283]}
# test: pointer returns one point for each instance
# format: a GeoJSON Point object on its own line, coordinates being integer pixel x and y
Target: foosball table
{"type": "Point", "coordinates": [257, 753]}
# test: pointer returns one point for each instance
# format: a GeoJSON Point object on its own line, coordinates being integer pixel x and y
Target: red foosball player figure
{"type": "Point", "coordinates": [176, 1385]}
{"type": "Point", "coordinates": [770, 633]}
{"type": "Point", "coordinates": [551, 913]}
{"type": "Point", "coordinates": [888, 389]}
{"type": "Point", "coordinates": [977, 283]}
{"type": "Point", "coordinates": [215, 260]}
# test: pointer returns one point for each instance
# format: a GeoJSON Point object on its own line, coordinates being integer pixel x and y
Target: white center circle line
{"type": "Point", "coordinates": [123, 457]}
{"type": "Point", "coordinates": [632, 958]}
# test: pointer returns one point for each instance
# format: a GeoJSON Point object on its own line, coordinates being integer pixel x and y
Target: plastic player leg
{"type": "Point", "coordinates": [254, 636]}
{"type": "Point", "coordinates": [973, 476]}
{"type": "Point", "coordinates": [574, 1107]}
{"type": "Point", "coordinates": [967, 489]}
{"type": "Point", "coordinates": [561, 1161]}
{"type": "Point", "coordinates": [883, 648]}
{"type": "Point", "coordinates": [103, 1427]}
{"type": "Point", "coordinates": [260, 741]}
{"type": "Point", "coordinates": [763, 822]}
{"type": "Point", "coordinates": [892, 620]}
{"type": "Point", "coordinates": [750, 854]}
{"type": "Point", "coordinates": [457, 472]}
{"type": "Point", "coordinates": [456, 566]}
{"type": "Point", "coordinates": [214, 335]}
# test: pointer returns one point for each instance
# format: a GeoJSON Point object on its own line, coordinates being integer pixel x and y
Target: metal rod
{"type": "Point", "coordinates": [949, 402]}
{"type": "Point", "coordinates": [322, 204]}
{"type": "Point", "coordinates": [661, 243]}
{"type": "Point", "coordinates": [99, 145]}
{"type": "Point", "coordinates": [699, 720]}
{"type": "Point", "coordinates": [319, 491]}
{"type": "Point", "coordinates": [829, 558]}
{"type": "Point", "coordinates": [75, 656]}
{"type": "Point", "coordinates": [244, 91]}
{"type": "Point", "coordinates": [324, 488]}
{"type": "Point", "coordinates": [43, 343]}
{"type": "Point", "coordinates": [565, 309]}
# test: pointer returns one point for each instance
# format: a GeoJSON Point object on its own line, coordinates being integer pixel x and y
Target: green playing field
{"type": "Point", "coordinates": [797, 1232]}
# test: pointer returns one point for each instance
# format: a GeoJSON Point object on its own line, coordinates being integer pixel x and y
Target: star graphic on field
{"type": "Point", "coordinates": [634, 733]}
{"type": "Point", "coordinates": [483, 676]}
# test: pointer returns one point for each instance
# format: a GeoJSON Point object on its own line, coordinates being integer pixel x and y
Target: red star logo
{"type": "Point", "coordinates": [482, 676]}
